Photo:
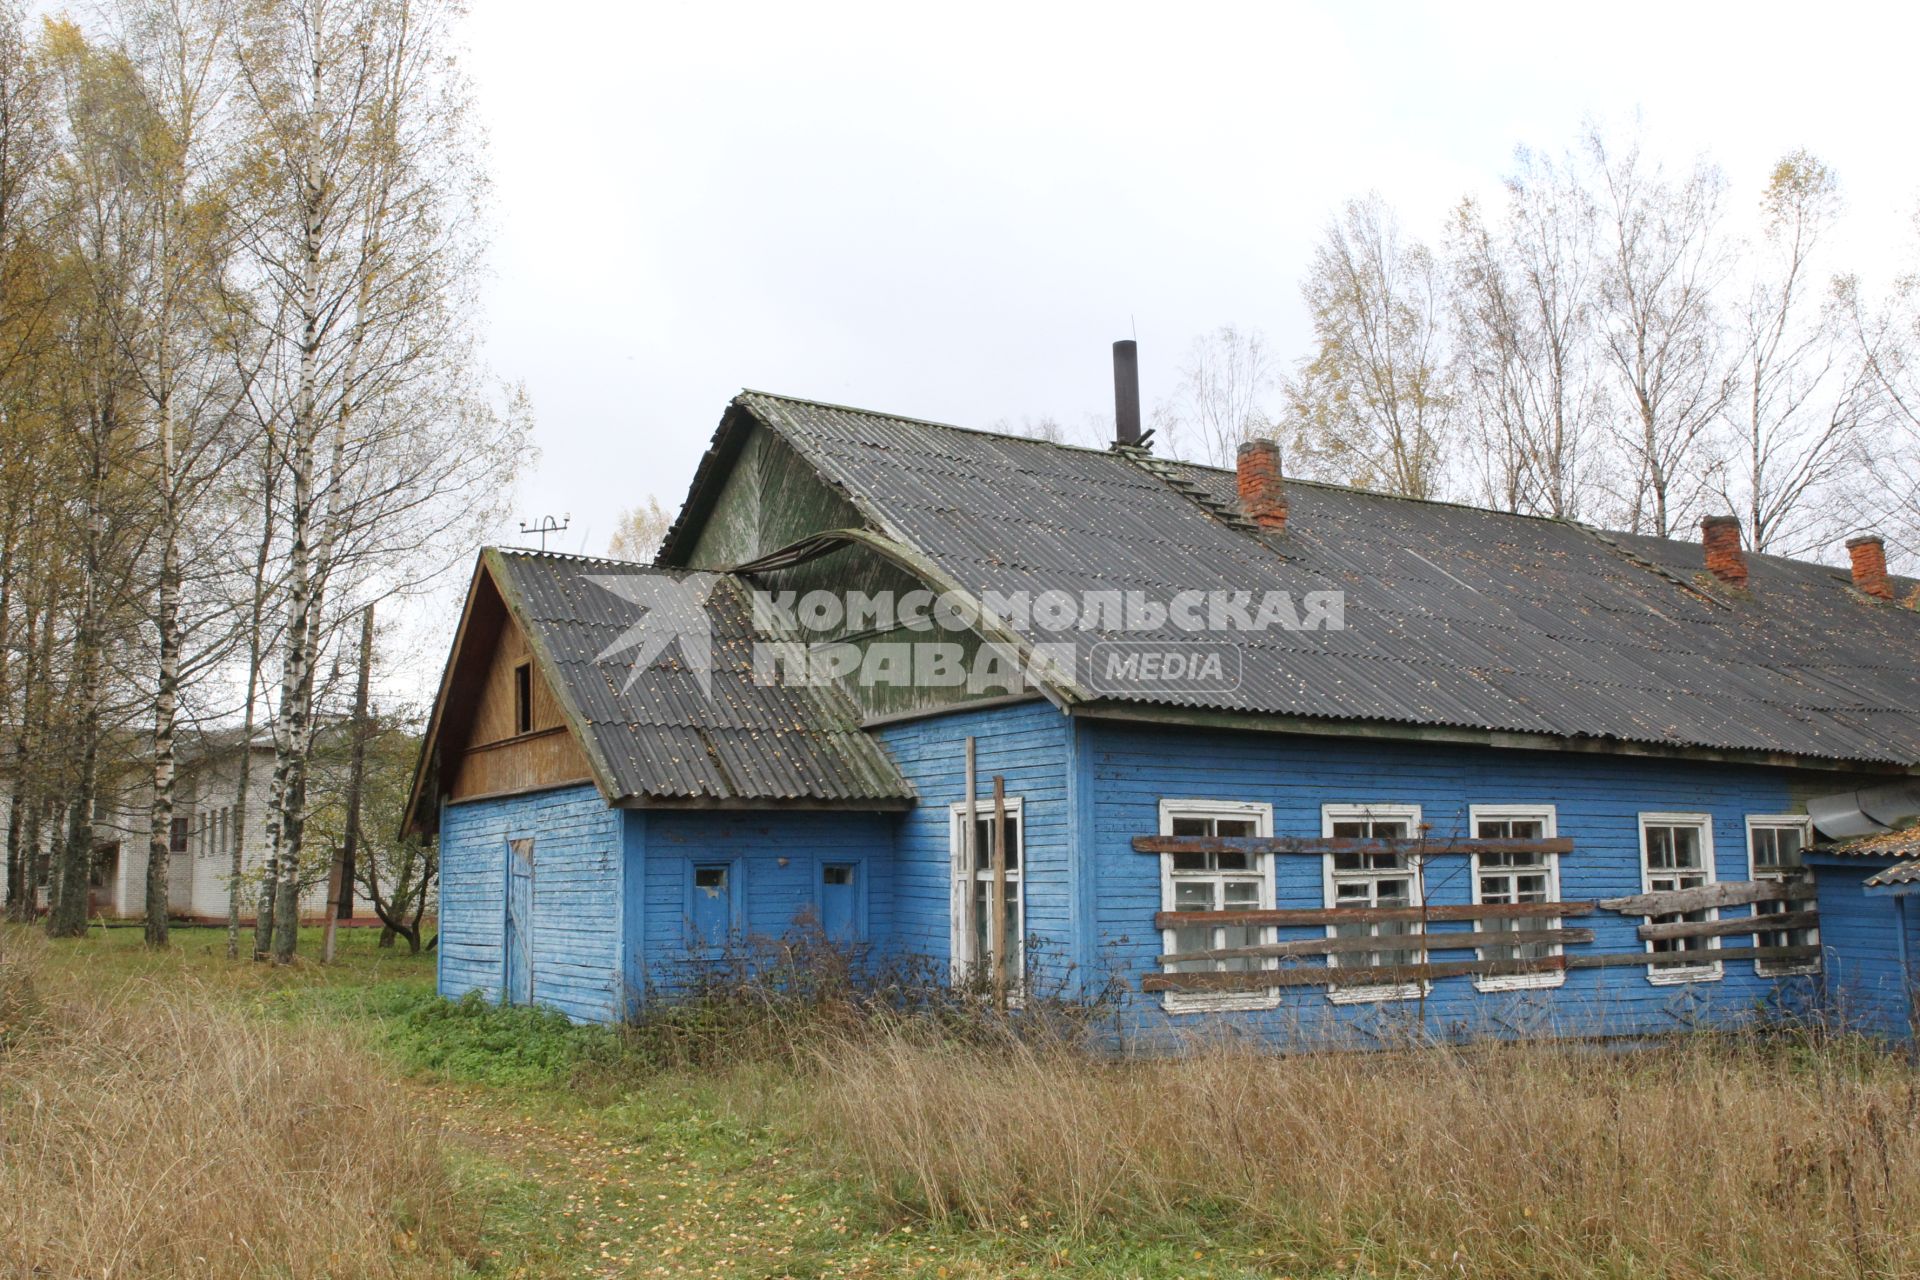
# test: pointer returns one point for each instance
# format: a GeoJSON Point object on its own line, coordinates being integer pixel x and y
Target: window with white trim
{"type": "Point", "coordinates": [1512, 879]}
{"type": "Point", "coordinates": [973, 892]}
{"type": "Point", "coordinates": [1373, 880]}
{"type": "Point", "coordinates": [1774, 846]}
{"type": "Point", "coordinates": [1211, 882]}
{"type": "Point", "coordinates": [1676, 852]}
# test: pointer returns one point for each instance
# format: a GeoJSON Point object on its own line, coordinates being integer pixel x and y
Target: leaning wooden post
{"type": "Point", "coordinates": [999, 893]}
{"type": "Point", "coordinates": [964, 961]}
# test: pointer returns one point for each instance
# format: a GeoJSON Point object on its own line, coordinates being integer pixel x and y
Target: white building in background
{"type": "Point", "coordinates": [206, 829]}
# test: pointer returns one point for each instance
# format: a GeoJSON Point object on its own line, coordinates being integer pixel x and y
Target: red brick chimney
{"type": "Point", "coordinates": [1263, 493]}
{"type": "Point", "coordinates": [1725, 560]}
{"type": "Point", "coordinates": [1870, 565]}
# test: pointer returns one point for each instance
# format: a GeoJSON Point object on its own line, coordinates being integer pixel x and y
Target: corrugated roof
{"type": "Point", "coordinates": [1901, 843]}
{"type": "Point", "coordinates": [1904, 873]}
{"type": "Point", "coordinates": [1455, 616]}
{"type": "Point", "coordinates": [659, 735]}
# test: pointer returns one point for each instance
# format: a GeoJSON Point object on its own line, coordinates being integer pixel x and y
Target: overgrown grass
{"type": "Point", "coordinates": [149, 1128]}
{"type": "Point", "coordinates": [1706, 1158]}
{"type": "Point", "coordinates": [787, 1119]}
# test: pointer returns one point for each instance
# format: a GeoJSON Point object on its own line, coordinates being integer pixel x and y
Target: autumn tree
{"type": "Point", "coordinates": [1373, 406]}
{"type": "Point", "coordinates": [1803, 391]}
{"type": "Point", "coordinates": [395, 443]}
{"type": "Point", "coordinates": [1224, 398]}
{"type": "Point", "coordinates": [1528, 366]}
{"type": "Point", "coordinates": [1664, 259]}
{"type": "Point", "coordinates": [638, 532]}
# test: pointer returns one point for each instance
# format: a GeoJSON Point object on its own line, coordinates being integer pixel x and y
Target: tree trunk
{"type": "Point", "coordinates": [68, 918]}
{"type": "Point", "coordinates": [165, 709]}
{"type": "Point", "coordinates": [293, 738]}
{"type": "Point", "coordinates": [256, 614]}
{"type": "Point", "coordinates": [342, 882]}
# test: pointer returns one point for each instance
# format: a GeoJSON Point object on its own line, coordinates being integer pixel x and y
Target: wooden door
{"type": "Point", "coordinates": [518, 988]}
{"type": "Point", "coordinates": [840, 901]}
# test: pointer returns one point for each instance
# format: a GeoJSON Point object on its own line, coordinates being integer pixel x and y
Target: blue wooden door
{"type": "Point", "coordinates": [840, 901]}
{"type": "Point", "coordinates": [710, 913]}
{"type": "Point", "coordinates": [519, 983]}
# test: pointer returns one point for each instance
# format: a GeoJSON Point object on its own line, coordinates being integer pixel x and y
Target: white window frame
{"type": "Point", "coordinates": [1262, 816]}
{"type": "Point", "coordinates": [960, 939]}
{"type": "Point", "coordinates": [1330, 814]}
{"type": "Point", "coordinates": [1678, 975]}
{"type": "Point", "coordinates": [1804, 825]}
{"type": "Point", "coordinates": [1548, 817]}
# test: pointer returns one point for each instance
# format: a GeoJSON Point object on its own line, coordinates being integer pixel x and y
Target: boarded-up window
{"type": "Point", "coordinates": [1677, 850]}
{"type": "Point", "coordinates": [1514, 878]}
{"type": "Point", "coordinates": [1373, 880]}
{"type": "Point", "coordinates": [1774, 845]}
{"type": "Point", "coordinates": [1216, 882]}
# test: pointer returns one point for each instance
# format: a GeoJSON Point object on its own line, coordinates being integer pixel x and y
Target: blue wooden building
{"type": "Point", "coordinates": [1311, 762]}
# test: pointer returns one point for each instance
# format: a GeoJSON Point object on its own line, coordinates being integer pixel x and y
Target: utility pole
{"type": "Point", "coordinates": [340, 883]}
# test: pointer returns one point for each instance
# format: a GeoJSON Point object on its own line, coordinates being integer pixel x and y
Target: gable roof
{"type": "Point", "coordinates": [1455, 617]}
{"type": "Point", "coordinates": [657, 738]}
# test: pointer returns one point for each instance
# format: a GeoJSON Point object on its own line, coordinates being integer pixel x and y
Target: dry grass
{"type": "Point", "coordinates": [1706, 1159]}
{"type": "Point", "coordinates": [153, 1131]}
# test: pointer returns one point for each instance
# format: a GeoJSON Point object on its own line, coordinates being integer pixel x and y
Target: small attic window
{"type": "Point", "coordinates": [523, 698]}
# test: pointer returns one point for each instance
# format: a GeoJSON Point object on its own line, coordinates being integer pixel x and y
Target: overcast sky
{"type": "Point", "coordinates": [951, 212]}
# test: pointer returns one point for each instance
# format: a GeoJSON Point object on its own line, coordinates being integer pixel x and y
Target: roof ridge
{"type": "Point", "coordinates": [924, 422]}
{"type": "Point", "coordinates": [1327, 485]}
{"type": "Point", "coordinates": [538, 553]}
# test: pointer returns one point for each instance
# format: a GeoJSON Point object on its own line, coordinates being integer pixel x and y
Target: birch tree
{"type": "Point", "coordinates": [1803, 391]}
{"type": "Point", "coordinates": [370, 251]}
{"type": "Point", "coordinates": [1372, 407]}
{"type": "Point", "coordinates": [103, 119]}
{"type": "Point", "coordinates": [172, 344]}
{"type": "Point", "coordinates": [1664, 258]}
{"type": "Point", "coordinates": [1524, 307]}
{"type": "Point", "coordinates": [639, 531]}
{"type": "Point", "coordinates": [1225, 395]}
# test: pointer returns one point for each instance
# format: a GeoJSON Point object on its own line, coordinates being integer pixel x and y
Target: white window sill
{"type": "Point", "coordinates": [1673, 976]}
{"type": "Point", "coordinates": [1521, 981]}
{"type": "Point", "coordinates": [1765, 970]}
{"type": "Point", "coordinates": [1174, 1003]}
{"type": "Point", "coordinates": [1374, 995]}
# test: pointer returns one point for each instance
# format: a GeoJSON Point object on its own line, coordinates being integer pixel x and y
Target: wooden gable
{"type": "Point", "coordinates": [498, 756]}
{"type": "Point", "coordinates": [474, 746]}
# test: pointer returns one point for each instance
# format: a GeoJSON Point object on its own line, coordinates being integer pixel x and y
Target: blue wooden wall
{"type": "Point", "coordinates": [612, 887]}
{"type": "Point", "coordinates": [577, 859]}
{"type": "Point", "coordinates": [1866, 989]}
{"type": "Point", "coordinates": [772, 899]}
{"type": "Point", "coordinates": [1031, 745]}
{"type": "Point", "coordinates": [1598, 800]}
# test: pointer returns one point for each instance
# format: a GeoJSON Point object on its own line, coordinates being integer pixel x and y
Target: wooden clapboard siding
{"type": "Point", "coordinates": [1860, 935]}
{"type": "Point", "coordinates": [1031, 745]}
{"type": "Point", "coordinates": [578, 845]}
{"type": "Point", "coordinates": [776, 900]}
{"type": "Point", "coordinates": [493, 758]}
{"type": "Point", "coordinates": [1598, 800]}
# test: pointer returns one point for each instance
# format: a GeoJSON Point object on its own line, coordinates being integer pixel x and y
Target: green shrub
{"type": "Point", "coordinates": [473, 1040]}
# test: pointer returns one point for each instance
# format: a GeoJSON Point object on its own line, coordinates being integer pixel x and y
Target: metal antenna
{"type": "Point", "coordinates": [545, 526]}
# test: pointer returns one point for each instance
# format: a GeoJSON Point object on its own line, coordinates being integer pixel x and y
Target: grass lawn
{"type": "Point", "coordinates": [571, 1163]}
